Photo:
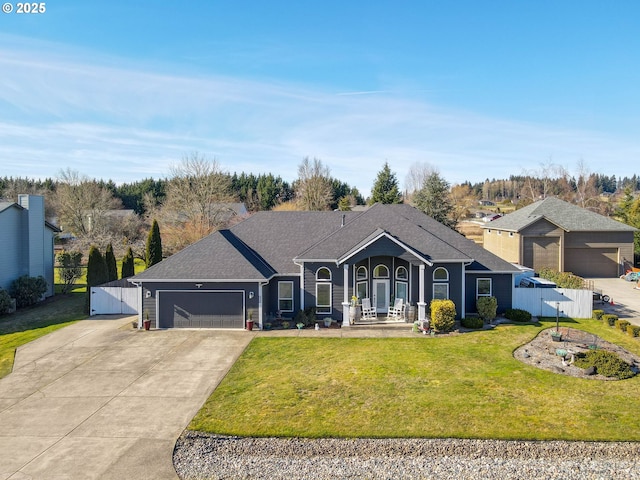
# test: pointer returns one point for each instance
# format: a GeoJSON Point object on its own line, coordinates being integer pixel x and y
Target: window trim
{"type": "Point", "coordinates": [366, 289]}
{"type": "Point", "coordinates": [324, 309]}
{"type": "Point", "coordinates": [478, 294]}
{"type": "Point", "coordinates": [366, 273]}
{"type": "Point", "coordinates": [381, 265]}
{"type": "Point", "coordinates": [318, 279]}
{"type": "Point", "coordinates": [406, 276]}
{"type": "Point", "coordinates": [441, 284]}
{"type": "Point", "coordinates": [406, 286]}
{"type": "Point", "coordinates": [280, 298]}
{"type": "Point", "coordinates": [440, 279]}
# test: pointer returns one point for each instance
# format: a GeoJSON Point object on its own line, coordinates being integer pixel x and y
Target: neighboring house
{"type": "Point", "coordinates": [287, 261]}
{"type": "Point", "coordinates": [27, 241]}
{"type": "Point", "coordinates": [555, 234]}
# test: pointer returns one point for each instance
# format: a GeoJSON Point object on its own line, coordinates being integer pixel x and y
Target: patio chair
{"type": "Point", "coordinates": [396, 312]}
{"type": "Point", "coordinates": [368, 312]}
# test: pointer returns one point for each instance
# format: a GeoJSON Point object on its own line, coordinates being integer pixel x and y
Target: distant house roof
{"type": "Point", "coordinates": [567, 216]}
{"type": "Point", "coordinates": [275, 243]}
{"type": "Point", "coordinates": [5, 205]}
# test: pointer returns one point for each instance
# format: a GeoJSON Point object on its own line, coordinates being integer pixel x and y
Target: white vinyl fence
{"type": "Point", "coordinates": [542, 302]}
{"type": "Point", "coordinates": [114, 300]}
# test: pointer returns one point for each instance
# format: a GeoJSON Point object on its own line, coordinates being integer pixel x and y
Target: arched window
{"type": "Point", "coordinates": [440, 274]}
{"type": "Point", "coordinates": [323, 291]}
{"type": "Point", "coordinates": [381, 272]}
{"type": "Point", "coordinates": [401, 273]}
{"type": "Point", "coordinates": [441, 283]}
{"type": "Point", "coordinates": [361, 273]}
{"type": "Point", "coordinates": [323, 274]}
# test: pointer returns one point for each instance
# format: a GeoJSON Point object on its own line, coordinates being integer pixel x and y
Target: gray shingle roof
{"type": "Point", "coordinates": [570, 218]}
{"type": "Point", "coordinates": [269, 243]}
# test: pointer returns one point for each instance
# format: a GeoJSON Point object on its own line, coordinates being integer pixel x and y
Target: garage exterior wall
{"type": "Point", "coordinates": [150, 294]}
{"type": "Point", "coordinates": [502, 243]}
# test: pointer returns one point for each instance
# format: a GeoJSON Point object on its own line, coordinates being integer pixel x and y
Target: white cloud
{"type": "Point", "coordinates": [126, 122]}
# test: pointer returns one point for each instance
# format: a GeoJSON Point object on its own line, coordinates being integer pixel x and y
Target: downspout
{"type": "Point", "coordinates": [464, 289]}
{"type": "Point", "coordinates": [139, 287]}
{"type": "Point", "coordinates": [301, 265]}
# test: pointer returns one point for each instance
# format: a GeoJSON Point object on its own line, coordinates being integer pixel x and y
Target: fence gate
{"type": "Point", "coordinates": [543, 302]}
{"type": "Point", "coordinates": [114, 300]}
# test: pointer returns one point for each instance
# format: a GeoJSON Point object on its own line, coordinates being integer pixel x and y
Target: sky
{"type": "Point", "coordinates": [123, 90]}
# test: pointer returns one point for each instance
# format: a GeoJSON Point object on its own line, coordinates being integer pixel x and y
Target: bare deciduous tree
{"type": "Point", "coordinates": [416, 178]}
{"type": "Point", "coordinates": [313, 187]}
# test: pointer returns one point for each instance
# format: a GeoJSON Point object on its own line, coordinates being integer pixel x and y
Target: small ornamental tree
{"type": "Point", "coordinates": [443, 315]}
{"type": "Point", "coordinates": [110, 261]}
{"type": "Point", "coordinates": [154, 245]}
{"type": "Point", "coordinates": [127, 265]}
{"type": "Point", "coordinates": [70, 269]}
{"type": "Point", "coordinates": [96, 273]}
{"type": "Point", "coordinates": [487, 308]}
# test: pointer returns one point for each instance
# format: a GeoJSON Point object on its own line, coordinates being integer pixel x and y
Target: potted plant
{"type": "Point", "coordinates": [250, 320]}
{"type": "Point", "coordinates": [327, 322]}
{"type": "Point", "coordinates": [146, 322]}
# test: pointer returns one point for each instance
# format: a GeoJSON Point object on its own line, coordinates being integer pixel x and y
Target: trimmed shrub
{"type": "Point", "coordinates": [609, 319]}
{"type": "Point", "coordinates": [472, 322]}
{"type": "Point", "coordinates": [622, 324]}
{"type": "Point", "coordinates": [487, 308]}
{"type": "Point", "coordinates": [306, 317]}
{"type": "Point", "coordinates": [517, 315]}
{"type": "Point", "coordinates": [633, 330]}
{"type": "Point", "coordinates": [5, 301]}
{"type": "Point", "coordinates": [28, 290]}
{"type": "Point", "coordinates": [606, 363]}
{"type": "Point", "coordinates": [597, 314]}
{"type": "Point", "coordinates": [443, 315]}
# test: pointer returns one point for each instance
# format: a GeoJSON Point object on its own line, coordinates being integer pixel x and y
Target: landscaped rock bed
{"type": "Point", "coordinates": [545, 353]}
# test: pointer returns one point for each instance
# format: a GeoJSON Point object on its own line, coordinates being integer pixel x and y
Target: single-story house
{"type": "Point", "coordinates": [287, 261]}
{"type": "Point", "coordinates": [27, 241]}
{"type": "Point", "coordinates": [555, 234]}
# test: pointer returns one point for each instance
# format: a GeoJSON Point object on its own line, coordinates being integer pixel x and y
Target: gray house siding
{"type": "Point", "coordinates": [501, 288]}
{"type": "Point", "coordinates": [337, 287]}
{"type": "Point", "coordinates": [270, 302]}
{"type": "Point", "coordinates": [12, 263]}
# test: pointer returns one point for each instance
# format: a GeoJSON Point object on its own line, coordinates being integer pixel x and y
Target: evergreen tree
{"type": "Point", "coordinates": [110, 261]}
{"type": "Point", "coordinates": [154, 245]}
{"type": "Point", "coordinates": [96, 273]}
{"type": "Point", "coordinates": [385, 189]}
{"type": "Point", "coordinates": [434, 199]}
{"type": "Point", "coordinates": [127, 265]}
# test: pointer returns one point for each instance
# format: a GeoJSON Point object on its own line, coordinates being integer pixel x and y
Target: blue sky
{"type": "Point", "coordinates": [121, 90]}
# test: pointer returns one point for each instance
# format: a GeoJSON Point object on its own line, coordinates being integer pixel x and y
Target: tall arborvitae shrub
{"type": "Point", "coordinates": [154, 245]}
{"type": "Point", "coordinates": [110, 260]}
{"type": "Point", "coordinates": [127, 265]}
{"type": "Point", "coordinates": [96, 274]}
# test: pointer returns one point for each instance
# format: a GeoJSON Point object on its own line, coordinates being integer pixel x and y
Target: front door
{"type": "Point", "coordinates": [381, 295]}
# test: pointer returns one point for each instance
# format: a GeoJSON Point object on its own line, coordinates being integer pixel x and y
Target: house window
{"type": "Point", "coordinates": [323, 298]}
{"type": "Point", "coordinates": [323, 273]}
{"type": "Point", "coordinates": [362, 290]}
{"type": "Point", "coordinates": [440, 274]}
{"type": "Point", "coordinates": [440, 291]}
{"type": "Point", "coordinates": [402, 291]}
{"type": "Point", "coordinates": [361, 273]}
{"type": "Point", "coordinates": [323, 290]}
{"type": "Point", "coordinates": [401, 273]}
{"type": "Point", "coordinates": [381, 272]}
{"type": "Point", "coordinates": [441, 283]}
{"type": "Point", "coordinates": [285, 296]}
{"type": "Point", "coordinates": [483, 287]}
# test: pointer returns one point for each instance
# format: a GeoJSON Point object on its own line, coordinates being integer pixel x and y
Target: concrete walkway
{"type": "Point", "coordinates": [99, 399]}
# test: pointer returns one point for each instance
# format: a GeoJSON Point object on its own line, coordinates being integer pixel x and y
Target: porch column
{"type": "Point", "coordinates": [422, 306]}
{"type": "Point", "coordinates": [345, 296]}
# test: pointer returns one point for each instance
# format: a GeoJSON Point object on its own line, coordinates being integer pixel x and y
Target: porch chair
{"type": "Point", "coordinates": [396, 312]}
{"type": "Point", "coordinates": [368, 312]}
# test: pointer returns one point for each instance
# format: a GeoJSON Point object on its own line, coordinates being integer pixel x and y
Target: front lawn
{"type": "Point", "coordinates": [464, 386]}
{"type": "Point", "coordinates": [30, 323]}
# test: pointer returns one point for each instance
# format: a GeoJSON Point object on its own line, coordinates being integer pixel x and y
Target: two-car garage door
{"type": "Point", "coordinates": [201, 309]}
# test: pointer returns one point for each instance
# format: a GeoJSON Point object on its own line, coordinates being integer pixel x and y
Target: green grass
{"type": "Point", "coordinates": [31, 323]}
{"type": "Point", "coordinates": [465, 386]}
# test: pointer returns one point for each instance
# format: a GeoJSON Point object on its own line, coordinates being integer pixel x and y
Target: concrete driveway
{"type": "Point", "coordinates": [625, 298]}
{"type": "Point", "coordinates": [99, 399]}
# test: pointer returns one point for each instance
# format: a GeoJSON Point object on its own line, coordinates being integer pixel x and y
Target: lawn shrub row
{"type": "Point", "coordinates": [633, 330]}
{"type": "Point", "coordinates": [622, 325]}
{"type": "Point", "coordinates": [597, 314]}
{"type": "Point", "coordinates": [517, 315]}
{"type": "Point", "coordinates": [609, 319]}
